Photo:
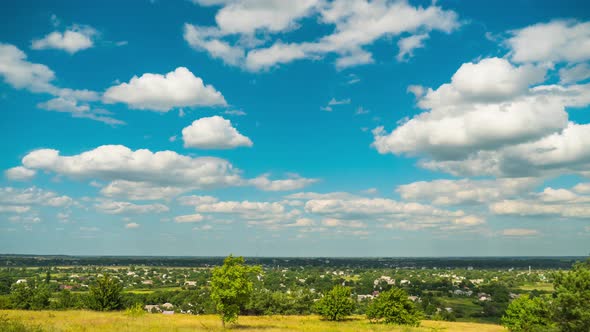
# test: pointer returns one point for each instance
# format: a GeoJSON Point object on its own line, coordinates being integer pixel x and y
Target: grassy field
{"type": "Point", "coordinates": [89, 321]}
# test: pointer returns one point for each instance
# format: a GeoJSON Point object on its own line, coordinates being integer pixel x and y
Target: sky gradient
{"type": "Point", "coordinates": [295, 128]}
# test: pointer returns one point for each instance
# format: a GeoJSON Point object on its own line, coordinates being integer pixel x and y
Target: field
{"type": "Point", "coordinates": [89, 321]}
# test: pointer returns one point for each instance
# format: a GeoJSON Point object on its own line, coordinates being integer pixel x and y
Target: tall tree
{"type": "Point", "coordinates": [572, 298]}
{"type": "Point", "coordinates": [105, 294]}
{"type": "Point", "coordinates": [231, 287]}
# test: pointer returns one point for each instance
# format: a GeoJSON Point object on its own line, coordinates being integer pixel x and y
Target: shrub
{"type": "Point", "coordinates": [135, 310]}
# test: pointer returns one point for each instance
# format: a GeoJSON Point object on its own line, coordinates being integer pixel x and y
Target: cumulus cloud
{"type": "Point", "coordinates": [195, 200]}
{"type": "Point", "coordinates": [356, 24]}
{"type": "Point", "coordinates": [20, 173]}
{"type": "Point", "coordinates": [139, 174]}
{"type": "Point", "coordinates": [213, 133]}
{"type": "Point", "coordinates": [556, 41]}
{"type": "Point", "coordinates": [132, 225]}
{"type": "Point", "coordinates": [179, 88]}
{"type": "Point", "coordinates": [72, 40]}
{"type": "Point", "coordinates": [476, 111]}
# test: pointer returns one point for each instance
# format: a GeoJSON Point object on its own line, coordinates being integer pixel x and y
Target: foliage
{"type": "Point", "coordinates": [5, 283]}
{"type": "Point", "coordinates": [231, 287]}
{"type": "Point", "coordinates": [394, 307]}
{"type": "Point", "coordinates": [572, 298]}
{"type": "Point", "coordinates": [21, 296]}
{"type": "Point", "coordinates": [40, 298]}
{"type": "Point", "coordinates": [336, 304]}
{"type": "Point", "coordinates": [105, 294]}
{"type": "Point", "coordinates": [526, 314]}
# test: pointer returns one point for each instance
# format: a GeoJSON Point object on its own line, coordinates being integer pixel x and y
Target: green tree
{"type": "Point", "coordinates": [394, 307]}
{"type": "Point", "coordinates": [526, 314]}
{"type": "Point", "coordinates": [21, 296]}
{"type": "Point", "coordinates": [336, 304]}
{"type": "Point", "coordinates": [105, 294]}
{"type": "Point", "coordinates": [231, 287]}
{"type": "Point", "coordinates": [572, 298]}
{"type": "Point", "coordinates": [40, 298]}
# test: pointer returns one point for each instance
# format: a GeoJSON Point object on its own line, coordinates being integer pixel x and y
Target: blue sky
{"type": "Point", "coordinates": [295, 128]}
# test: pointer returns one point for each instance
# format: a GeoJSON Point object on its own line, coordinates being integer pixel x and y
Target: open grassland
{"type": "Point", "coordinates": [89, 321]}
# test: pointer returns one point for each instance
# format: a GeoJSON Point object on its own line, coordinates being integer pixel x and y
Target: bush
{"type": "Point", "coordinates": [394, 307]}
{"type": "Point", "coordinates": [135, 310]}
{"type": "Point", "coordinates": [527, 315]}
{"type": "Point", "coordinates": [336, 305]}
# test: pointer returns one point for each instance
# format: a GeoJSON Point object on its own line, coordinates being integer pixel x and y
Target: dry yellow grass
{"type": "Point", "coordinates": [89, 321]}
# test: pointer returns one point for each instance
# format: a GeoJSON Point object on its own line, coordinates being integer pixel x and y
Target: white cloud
{"type": "Point", "coordinates": [519, 232]}
{"type": "Point", "coordinates": [72, 40]}
{"type": "Point", "coordinates": [334, 101]}
{"type": "Point", "coordinates": [32, 196]}
{"type": "Point", "coordinates": [20, 173]}
{"type": "Point", "coordinates": [139, 174]}
{"type": "Point", "coordinates": [356, 25]}
{"type": "Point", "coordinates": [213, 133]}
{"type": "Point", "coordinates": [77, 110]}
{"type": "Point", "coordinates": [179, 88]}
{"type": "Point", "coordinates": [37, 78]}
{"type": "Point", "coordinates": [22, 74]}
{"type": "Point", "coordinates": [195, 200]}
{"type": "Point", "coordinates": [556, 41]}
{"type": "Point", "coordinates": [140, 190]}
{"type": "Point", "coordinates": [295, 182]}
{"type": "Point", "coordinates": [478, 110]}
{"type": "Point", "coordinates": [189, 218]}
{"type": "Point", "coordinates": [115, 207]}
{"type": "Point", "coordinates": [562, 203]}
{"type": "Point", "coordinates": [409, 44]}
{"type": "Point", "coordinates": [117, 162]}
{"type": "Point", "coordinates": [573, 74]}
{"type": "Point", "coordinates": [465, 191]}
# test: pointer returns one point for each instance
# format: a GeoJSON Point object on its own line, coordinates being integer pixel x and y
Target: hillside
{"type": "Point", "coordinates": [89, 321]}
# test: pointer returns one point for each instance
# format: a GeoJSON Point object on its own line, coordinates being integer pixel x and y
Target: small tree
{"type": "Point", "coordinates": [394, 307]}
{"type": "Point", "coordinates": [21, 296]}
{"type": "Point", "coordinates": [105, 294]}
{"type": "Point", "coordinates": [572, 298]}
{"type": "Point", "coordinates": [336, 304]}
{"type": "Point", "coordinates": [231, 287]}
{"type": "Point", "coordinates": [526, 314]}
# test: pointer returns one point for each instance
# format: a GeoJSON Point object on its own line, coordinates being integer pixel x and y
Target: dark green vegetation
{"type": "Point", "coordinates": [332, 288]}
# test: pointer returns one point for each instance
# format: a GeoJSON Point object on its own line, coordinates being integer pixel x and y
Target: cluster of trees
{"type": "Point", "coordinates": [567, 309]}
